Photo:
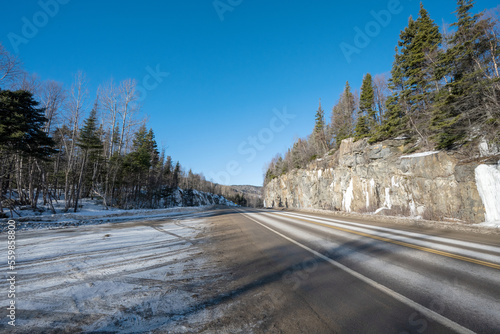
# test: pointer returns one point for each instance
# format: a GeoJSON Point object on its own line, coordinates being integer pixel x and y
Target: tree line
{"type": "Point", "coordinates": [59, 144]}
{"type": "Point", "coordinates": [443, 93]}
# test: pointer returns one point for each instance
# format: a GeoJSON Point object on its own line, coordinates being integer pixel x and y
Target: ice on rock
{"type": "Point", "coordinates": [348, 197]}
{"type": "Point", "coordinates": [488, 186]}
{"type": "Point", "coordinates": [419, 155]}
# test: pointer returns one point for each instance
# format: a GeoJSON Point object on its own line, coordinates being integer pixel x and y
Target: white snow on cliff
{"type": "Point", "coordinates": [419, 155]}
{"type": "Point", "coordinates": [348, 197]}
{"type": "Point", "coordinates": [488, 186]}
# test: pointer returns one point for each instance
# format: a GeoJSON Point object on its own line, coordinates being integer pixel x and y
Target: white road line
{"type": "Point", "coordinates": [416, 306]}
{"type": "Point", "coordinates": [476, 250]}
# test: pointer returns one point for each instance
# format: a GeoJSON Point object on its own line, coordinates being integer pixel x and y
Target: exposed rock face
{"type": "Point", "coordinates": [380, 179]}
{"type": "Point", "coordinates": [188, 197]}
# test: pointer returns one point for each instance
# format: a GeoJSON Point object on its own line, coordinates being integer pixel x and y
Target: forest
{"type": "Point", "coordinates": [443, 93]}
{"type": "Point", "coordinates": [63, 144]}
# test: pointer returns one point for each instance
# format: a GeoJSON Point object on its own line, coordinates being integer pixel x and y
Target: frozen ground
{"type": "Point", "coordinates": [91, 213]}
{"type": "Point", "coordinates": [130, 277]}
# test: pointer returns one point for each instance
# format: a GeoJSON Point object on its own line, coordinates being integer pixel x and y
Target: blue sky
{"type": "Point", "coordinates": [233, 70]}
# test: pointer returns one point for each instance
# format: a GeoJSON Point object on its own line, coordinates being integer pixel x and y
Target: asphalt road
{"type": "Point", "coordinates": [367, 277]}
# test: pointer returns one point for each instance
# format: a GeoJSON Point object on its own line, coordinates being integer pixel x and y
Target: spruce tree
{"type": "Point", "coordinates": [366, 114]}
{"type": "Point", "coordinates": [144, 153]}
{"type": "Point", "coordinates": [461, 105]}
{"type": "Point", "coordinates": [395, 121]}
{"type": "Point", "coordinates": [89, 138]}
{"type": "Point", "coordinates": [343, 116]}
{"type": "Point", "coordinates": [89, 141]}
{"type": "Point", "coordinates": [413, 82]}
{"type": "Point", "coordinates": [176, 174]}
{"type": "Point", "coordinates": [319, 136]}
{"type": "Point", "coordinates": [21, 125]}
{"type": "Point", "coordinates": [320, 120]}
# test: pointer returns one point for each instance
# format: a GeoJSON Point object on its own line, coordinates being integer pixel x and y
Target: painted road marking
{"type": "Point", "coordinates": [405, 244]}
{"type": "Point", "coordinates": [414, 305]}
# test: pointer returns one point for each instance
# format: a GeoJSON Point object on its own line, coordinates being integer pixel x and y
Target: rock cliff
{"type": "Point", "coordinates": [177, 197]}
{"type": "Point", "coordinates": [380, 179]}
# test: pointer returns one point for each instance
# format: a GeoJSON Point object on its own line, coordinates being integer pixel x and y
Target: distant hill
{"type": "Point", "coordinates": [250, 190]}
{"type": "Point", "coordinates": [252, 195]}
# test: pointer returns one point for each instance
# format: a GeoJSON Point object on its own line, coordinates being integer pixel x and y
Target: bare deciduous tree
{"type": "Point", "coordinates": [381, 91]}
{"type": "Point", "coordinates": [75, 106]}
{"type": "Point", "coordinates": [10, 67]}
{"type": "Point", "coordinates": [52, 97]}
{"type": "Point", "coordinates": [129, 107]}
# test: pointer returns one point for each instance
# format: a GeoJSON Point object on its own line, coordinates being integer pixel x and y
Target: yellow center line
{"type": "Point", "coordinates": [405, 244]}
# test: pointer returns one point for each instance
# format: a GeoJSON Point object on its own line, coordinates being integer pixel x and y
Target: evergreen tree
{"type": "Point", "coordinates": [21, 125]}
{"type": "Point", "coordinates": [367, 118]}
{"type": "Point", "coordinates": [89, 141]}
{"type": "Point", "coordinates": [89, 138]}
{"type": "Point", "coordinates": [144, 153]}
{"type": "Point", "coordinates": [319, 136]}
{"type": "Point", "coordinates": [319, 126]}
{"type": "Point", "coordinates": [413, 82]}
{"type": "Point", "coordinates": [343, 117]}
{"type": "Point", "coordinates": [176, 174]}
{"type": "Point", "coordinates": [461, 105]}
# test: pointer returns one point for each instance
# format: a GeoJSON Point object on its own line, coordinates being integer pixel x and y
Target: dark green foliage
{"type": "Point", "coordinates": [89, 138]}
{"type": "Point", "coordinates": [239, 200]}
{"type": "Point", "coordinates": [393, 124]}
{"type": "Point", "coordinates": [465, 100]}
{"type": "Point", "coordinates": [21, 125]}
{"type": "Point", "coordinates": [367, 118]}
{"type": "Point", "coordinates": [413, 82]}
{"type": "Point", "coordinates": [144, 151]}
{"type": "Point", "coordinates": [343, 117]}
{"type": "Point", "coordinates": [319, 126]}
{"type": "Point", "coordinates": [444, 92]}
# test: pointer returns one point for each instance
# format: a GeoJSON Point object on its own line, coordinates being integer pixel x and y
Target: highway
{"type": "Point", "coordinates": [367, 277]}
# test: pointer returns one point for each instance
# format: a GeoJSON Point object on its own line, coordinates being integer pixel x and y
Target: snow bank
{"type": "Point", "coordinates": [488, 186]}
{"type": "Point", "coordinates": [419, 155]}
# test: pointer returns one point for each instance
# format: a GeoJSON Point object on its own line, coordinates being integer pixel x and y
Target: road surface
{"type": "Point", "coordinates": [359, 277]}
{"type": "Point", "coordinates": [253, 271]}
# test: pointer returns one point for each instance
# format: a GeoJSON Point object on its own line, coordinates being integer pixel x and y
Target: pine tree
{"type": "Point", "coordinates": [367, 118]}
{"type": "Point", "coordinates": [319, 136]}
{"type": "Point", "coordinates": [413, 82]}
{"type": "Point", "coordinates": [343, 117]}
{"type": "Point", "coordinates": [176, 174]}
{"type": "Point", "coordinates": [395, 121]}
{"type": "Point", "coordinates": [89, 140]}
{"type": "Point", "coordinates": [460, 106]}
{"type": "Point", "coordinates": [144, 153]}
{"type": "Point", "coordinates": [319, 126]}
{"type": "Point", "coordinates": [21, 125]}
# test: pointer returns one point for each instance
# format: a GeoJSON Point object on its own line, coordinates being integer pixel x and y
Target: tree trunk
{"type": "Point", "coordinates": [80, 180]}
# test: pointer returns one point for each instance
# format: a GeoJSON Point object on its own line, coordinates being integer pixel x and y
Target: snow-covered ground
{"type": "Point", "coordinates": [92, 212]}
{"type": "Point", "coordinates": [130, 277]}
